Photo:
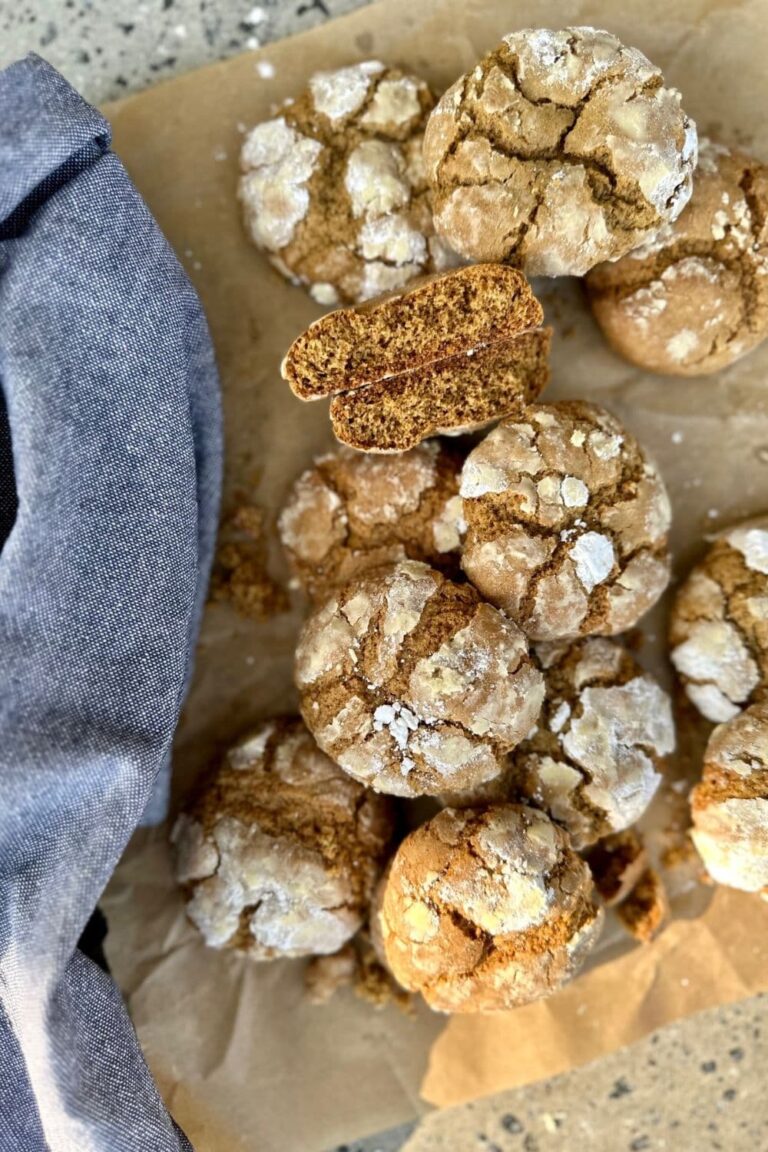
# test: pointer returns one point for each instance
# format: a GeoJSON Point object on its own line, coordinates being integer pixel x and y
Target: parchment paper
{"type": "Point", "coordinates": [244, 1062]}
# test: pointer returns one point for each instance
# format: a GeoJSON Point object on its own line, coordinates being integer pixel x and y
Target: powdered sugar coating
{"type": "Point", "coordinates": [280, 853]}
{"type": "Point", "coordinates": [719, 623]}
{"type": "Point", "coordinates": [567, 520]}
{"type": "Point", "coordinates": [694, 298]}
{"type": "Point", "coordinates": [412, 684]}
{"type": "Point", "coordinates": [559, 150]}
{"type": "Point", "coordinates": [334, 191]}
{"type": "Point", "coordinates": [483, 910]}
{"type": "Point", "coordinates": [730, 806]}
{"type": "Point", "coordinates": [354, 511]}
{"type": "Point", "coordinates": [277, 163]}
{"type": "Point", "coordinates": [593, 762]}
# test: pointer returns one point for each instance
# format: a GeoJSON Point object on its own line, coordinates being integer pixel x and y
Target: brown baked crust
{"type": "Point", "coordinates": [487, 909]}
{"type": "Point", "coordinates": [730, 804]}
{"type": "Point", "coordinates": [718, 631]}
{"type": "Point", "coordinates": [593, 762]}
{"type": "Point", "coordinates": [352, 512]}
{"type": "Point", "coordinates": [695, 298]}
{"type": "Point", "coordinates": [333, 188]}
{"type": "Point", "coordinates": [567, 521]}
{"type": "Point", "coordinates": [412, 684]}
{"type": "Point", "coordinates": [278, 821]}
{"type": "Point", "coordinates": [559, 149]}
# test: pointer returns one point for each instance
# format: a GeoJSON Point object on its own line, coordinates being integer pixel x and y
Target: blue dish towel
{"type": "Point", "coordinates": [110, 459]}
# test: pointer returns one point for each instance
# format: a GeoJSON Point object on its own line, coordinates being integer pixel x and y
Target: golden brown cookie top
{"type": "Point", "coordinates": [412, 684]}
{"type": "Point", "coordinates": [352, 512]}
{"type": "Point", "coordinates": [719, 623]}
{"type": "Point", "coordinates": [694, 298]}
{"type": "Point", "coordinates": [333, 188]}
{"type": "Point", "coordinates": [567, 522]}
{"type": "Point", "coordinates": [558, 150]}
{"type": "Point", "coordinates": [730, 805]}
{"type": "Point", "coordinates": [487, 909]}
{"type": "Point", "coordinates": [279, 850]}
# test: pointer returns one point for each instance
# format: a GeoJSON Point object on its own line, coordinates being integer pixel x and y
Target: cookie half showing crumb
{"type": "Point", "coordinates": [694, 298]}
{"type": "Point", "coordinates": [280, 851]}
{"type": "Point", "coordinates": [718, 630]}
{"type": "Point", "coordinates": [412, 684]}
{"type": "Point", "coordinates": [352, 512]}
{"type": "Point", "coordinates": [485, 910]}
{"type": "Point", "coordinates": [445, 316]}
{"type": "Point", "coordinates": [730, 805]}
{"type": "Point", "coordinates": [567, 521]}
{"type": "Point", "coordinates": [460, 394]}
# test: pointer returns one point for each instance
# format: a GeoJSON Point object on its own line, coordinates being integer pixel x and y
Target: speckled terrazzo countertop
{"type": "Point", "coordinates": [696, 1085]}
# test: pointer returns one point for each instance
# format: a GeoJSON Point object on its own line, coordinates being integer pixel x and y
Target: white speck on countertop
{"type": "Point", "coordinates": [265, 69]}
{"type": "Point", "coordinates": [256, 16]}
{"type": "Point", "coordinates": [677, 437]}
{"type": "Point", "coordinates": [179, 31]}
{"type": "Point", "coordinates": [252, 43]}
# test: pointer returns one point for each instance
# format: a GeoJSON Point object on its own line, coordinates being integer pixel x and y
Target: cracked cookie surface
{"type": "Point", "coordinates": [487, 909]}
{"type": "Point", "coordinates": [694, 298]}
{"type": "Point", "coordinates": [412, 684]}
{"type": "Point", "coordinates": [352, 512]}
{"type": "Point", "coordinates": [567, 522]}
{"type": "Point", "coordinates": [559, 150]}
{"type": "Point", "coordinates": [719, 623]}
{"type": "Point", "coordinates": [592, 762]}
{"type": "Point", "coordinates": [280, 851]}
{"type": "Point", "coordinates": [334, 191]}
{"type": "Point", "coordinates": [730, 805]}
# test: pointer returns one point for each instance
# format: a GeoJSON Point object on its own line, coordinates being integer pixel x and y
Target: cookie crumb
{"type": "Point", "coordinates": [325, 975]}
{"type": "Point", "coordinates": [617, 862]}
{"type": "Point", "coordinates": [645, 910]}
{"type": "Point", "coordinates": [240, 574]}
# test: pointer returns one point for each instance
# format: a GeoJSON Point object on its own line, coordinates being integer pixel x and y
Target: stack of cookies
{"type": "Point", "coordinates": [467, 594]}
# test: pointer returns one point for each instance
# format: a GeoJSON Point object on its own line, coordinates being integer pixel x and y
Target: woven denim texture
{"type": "Point", "coordinates": [110, 460]}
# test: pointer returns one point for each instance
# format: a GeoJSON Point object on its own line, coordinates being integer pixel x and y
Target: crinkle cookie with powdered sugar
{"type": "Point", "coordinates": [412, 684]}
{"type": "Point", "coordinates": [333, 189]}
{"type": "Point", "coordinates": [557, 151]}
{"type": "Point", "coordinates": [567, 522]}
{"type": "Point", "coordinates": [730, 805]}
{"type": "Point", "coordinates": [485, 909]}
{"type": "Point", "coordinates": [353, 511]}
{"type": "Point", "coordinates": [694, 298]}
{"type": "Point", "coordinates": [719, 623]}
{"type": "Point", "coordinates": [593, 760]}
{"type": "Point", "coordinates": [280, 851]}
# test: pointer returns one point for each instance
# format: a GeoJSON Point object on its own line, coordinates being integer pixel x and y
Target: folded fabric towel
{"type": "Point", "coordinates": [110, 458]}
